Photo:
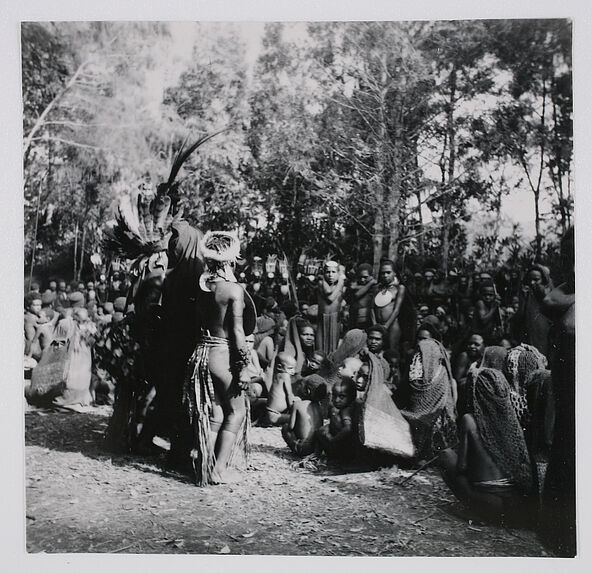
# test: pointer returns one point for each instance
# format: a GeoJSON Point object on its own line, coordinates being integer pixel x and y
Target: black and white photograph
{"type": "Point", "coordinates": [299, 288]}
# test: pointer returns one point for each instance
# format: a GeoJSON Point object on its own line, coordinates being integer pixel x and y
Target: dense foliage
{"type": "Point", "coordinates": [357, 139]}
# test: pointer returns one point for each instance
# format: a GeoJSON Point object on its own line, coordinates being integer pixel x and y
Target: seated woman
{"type": "Point", "coordinates": [300, 342]}
{"type": "Point", "coordinates": [431, 411]}
{"type": "Point", "coordinates": [491, 469]}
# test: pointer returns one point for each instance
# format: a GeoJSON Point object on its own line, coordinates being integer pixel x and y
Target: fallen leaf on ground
{"type": "Point", "coordinates": [224, 550]}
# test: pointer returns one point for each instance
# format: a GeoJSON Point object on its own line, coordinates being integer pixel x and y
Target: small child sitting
{"type": "Point", "coordinates": [336, 438]}
{"type": "Point", "coordinates": [305, 419]}
{"type": "Point", "coordinates": [281, 396]}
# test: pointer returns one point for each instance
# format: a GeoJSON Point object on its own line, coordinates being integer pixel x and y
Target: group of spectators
{"type": "Point", "coordinates": [475, 373]}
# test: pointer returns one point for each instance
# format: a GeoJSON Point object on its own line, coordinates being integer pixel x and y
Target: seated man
{"type": "Point", "coordinates": [281, 396]}
{"type": "Point", "coordinates": [305, 419]}
{"type": "Point", "coordinates": [491, 469]}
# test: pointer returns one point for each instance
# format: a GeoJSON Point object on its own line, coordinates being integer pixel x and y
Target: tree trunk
{"type": "Point", "coordinates": [394, 169]}
{"type": "Point", "coordinates": [378, 230]}
{"type": "Point", "coordinates": [75, 250]}
{"type": "Point", "coordinates": [447, 195]}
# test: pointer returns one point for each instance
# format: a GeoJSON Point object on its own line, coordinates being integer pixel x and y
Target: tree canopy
{"type": "Point", "coordinates": [352, 139]}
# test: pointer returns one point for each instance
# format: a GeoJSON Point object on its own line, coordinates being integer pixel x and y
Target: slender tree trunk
{"type": "Point", "coordinates": [75, 250]}
{"type": "Point", "coordinates": [394, 168]}
{"type": "Point", "coordinates": [81, 252]}
{"type": "Point", "coordinates": [447, 197]}
{"type": "Point", "coordinates": [35, 234]}
{"type": "Point", "coordinates": [378, 228]}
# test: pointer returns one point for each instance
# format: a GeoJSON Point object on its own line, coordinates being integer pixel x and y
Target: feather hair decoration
{"type": "Point", "coordinates": [143, 220]}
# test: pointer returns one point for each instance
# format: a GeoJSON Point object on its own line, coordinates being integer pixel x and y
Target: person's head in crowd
{"type": "Point", "coordinates": [102, 278]}
{"type": "Point", "coordinates": [80, 287]}
{"type": "Point", "coordinates": [69, 288]}
{"type": "Point", "coordinates": [505, 343]}
{"type": "Point", "coordinates": [331, 272]}
{"type": "Point", "coordinates": [538, 280]}
{"type": "Point", "coordinates": [304, 306]}
{"type": "Point", "coordinates": [289, 309]}
{"type": "Point", "coordinates": [91, 295]}
{"type": "Point", "coordinates": [282, 326]}
{"type": "Point", "coordinates": [250, 341]}
{"type": "Point", "coordinates": [33, 303]}
{"type": "Point", "coordinates": [387, 273]}
{"type": "Point", "coordinates": [485, 278]}
{"type": "Point", "coordinates": [453, 277]}
{"type": "Point", "coordinates": [463, 282]}
{"type": "Point", "coordinates": [53, 286]}
{"type": "Point", "coordinates": [428, 276]}
{"type": "Point", "coordinates": [440, 312]}
{"type": "Point", "coordinates": [376, 337]}
{"type": "Point", "coordinates": [80, 315]}
{"type": "Point", "coordinates": [494, 357]}
{"type": "Point", "coordinates": [349, 368]}
{"type": "Point", "coordinates": [344, 393]}
{"type": "Point", "coordinates": [364, 273]}
{"type": "Point", "coordinates": [475, 347]}
{"type": "Point", "coordinates": [313, 363]}
{"type": "Point", "coordinates": [476, 280]}
{"type": "Point", "coordinates": [76, 299]}
{"type": "Point", "coordinates": [270, 306]}
{"type": "Point", "coordinates": [432, 324]}
{"type": "Point", "coordinates": [515, 303]}
{"type": "Point", "coordinates": [422, 311]}
{"type": "Point", "coordinates": [314, 388]}
{"type": "Point", "coordinates": [90, 285]}
{"type": "Point", "coordinates": [487, 292]}
{"type": "Point", "coordinates": [423, 333]}
{"type": "Point", "coordinates": [108, 307]}
{"type": "Point", "coordinates": [285, 363]}
{"type": "Point", "coordinates": [362, 377]}
{"type": "Point", "coordinates": [47, 299]}
{"type": "Point", "coordinates": [417, 278]}
{"type": "Point", "coordinates": [306, 334]}
{"type": "Point", "coordinates": [61, 286]}
{"type": "Point", "coordinates": [119, 304]}
{"type": "Point", "coordinates": [392, 357]}
{"type": "Point", "coordinates": [100, 310]}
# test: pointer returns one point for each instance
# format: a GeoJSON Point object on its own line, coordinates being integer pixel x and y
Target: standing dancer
{"type": "Point", "coordinates": [217, 375]}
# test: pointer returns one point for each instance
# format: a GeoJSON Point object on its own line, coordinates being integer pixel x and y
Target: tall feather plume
{"type": "Point", "coordinates": [143, 221]}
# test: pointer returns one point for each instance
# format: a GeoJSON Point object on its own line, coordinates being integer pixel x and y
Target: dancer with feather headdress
{"type": "Point", "coordinates": [149, 230]}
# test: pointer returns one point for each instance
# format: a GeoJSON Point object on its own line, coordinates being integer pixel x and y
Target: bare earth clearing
{"type": "Point", "coordinates": [82, 500]}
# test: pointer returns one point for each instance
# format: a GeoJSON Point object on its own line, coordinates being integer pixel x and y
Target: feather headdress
{"type": "Point", "coordinates": [144, 221]}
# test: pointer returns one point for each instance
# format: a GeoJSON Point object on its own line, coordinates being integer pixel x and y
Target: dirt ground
{"type": "Point", "coordinates": [80, 499]}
